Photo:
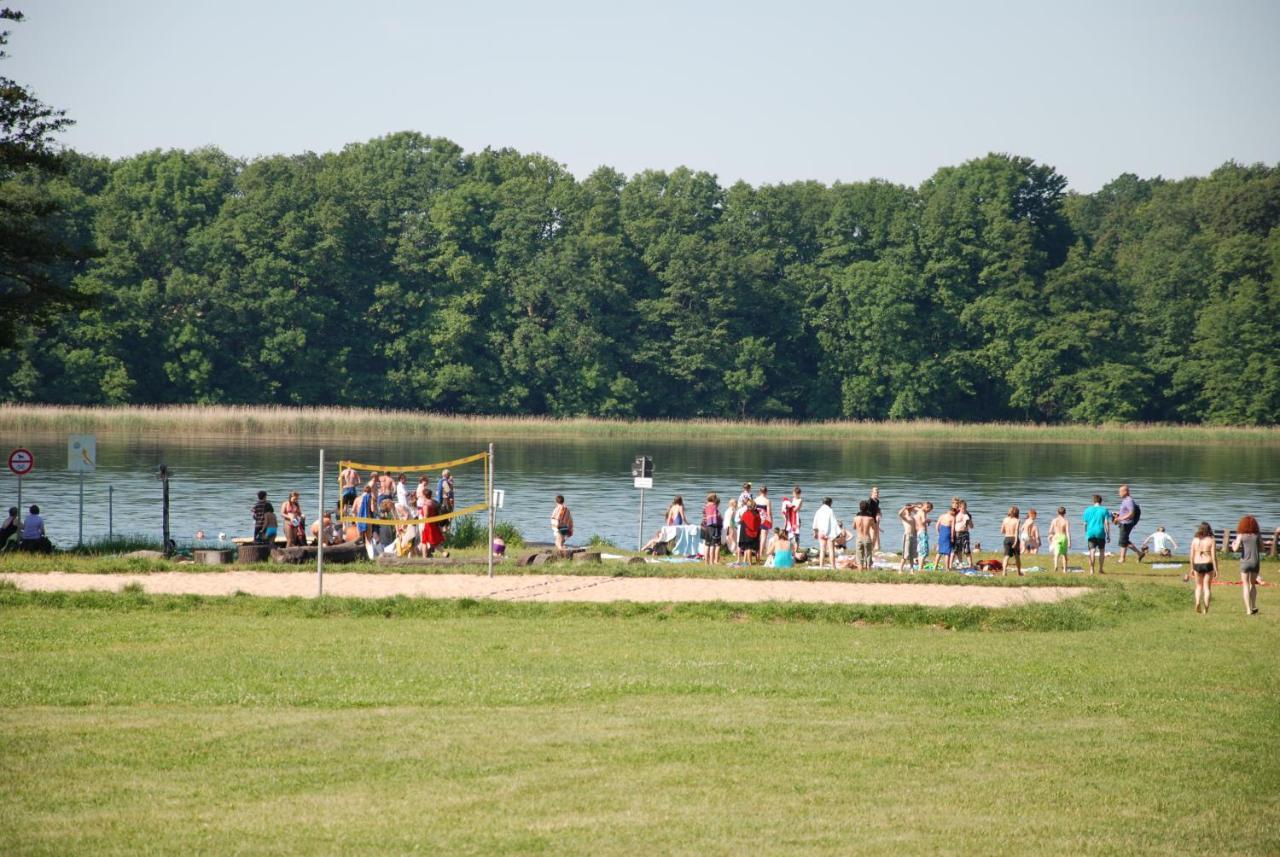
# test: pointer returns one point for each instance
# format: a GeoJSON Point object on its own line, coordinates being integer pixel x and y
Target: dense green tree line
{"type": "Point", "coordinates": [405, 272]}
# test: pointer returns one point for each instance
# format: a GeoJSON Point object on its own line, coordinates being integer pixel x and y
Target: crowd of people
{"type": "Point", "coordinates": [388, 515]}
{"type": "Point", "coordinates": [751, 530]}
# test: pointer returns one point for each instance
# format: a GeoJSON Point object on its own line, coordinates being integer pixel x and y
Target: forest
{"type": "Point", "coordinates": [404, 272]}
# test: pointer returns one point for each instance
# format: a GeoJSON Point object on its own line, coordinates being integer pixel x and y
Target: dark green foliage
{"type": "Point", "coordinates": [404, 272]}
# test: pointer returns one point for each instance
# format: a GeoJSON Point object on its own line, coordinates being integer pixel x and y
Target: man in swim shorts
{"type": "Point", "coordinates": [907, 515]}
{"type": "Point", "coordinates": [1060, 538]}
{"type": "Point", "coordinates": [961, 548]}
{"type": "Point", "coordinates": [349, 480]}
{"type": "Point", "coordinates": [1097, 529]}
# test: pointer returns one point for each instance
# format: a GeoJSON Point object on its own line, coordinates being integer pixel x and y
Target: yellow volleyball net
{"type": "Point", "coordinates": [465, 484]}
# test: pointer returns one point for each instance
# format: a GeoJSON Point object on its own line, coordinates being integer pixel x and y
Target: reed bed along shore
{"type": "Point", "coordinates": [233, 420]}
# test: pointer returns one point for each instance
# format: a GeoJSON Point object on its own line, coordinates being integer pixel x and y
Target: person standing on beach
{"type": "Point", "coordinates": [444, 491]}
{"type": "Point", "coordinates": [259, 512]}
{"type": "Point", "coordinates": [765, 507]}
{"type": "Point", "coordinates": [1204, 562]}
{"type": "Point", "coordinates": [873, 507]}
{"type": "Point", "coordinates": [791, 507]}
{"type": "Point", "coordinates": [1248, 543]}
{"type": "Point", "coordinates": [675, 513]}
{"type": "Point", "coordinates": [1009, 529]}
{"type": "Point", "coordinates": [1127, 519]}
{"type": "Point", "coordinates": [729, 527]}
{"type": "Point", "coordinates": [907, 515]}
{"type": "Point", "coordinates": [1031, 533]}
{"type": "Point", "coordinates": [295, 529]}
{"type": "Point", "coordinates": [349, 481]}
{"type": "Point", "coordinates": [744, 497]}
{"type": "Point", "coordinates": [711, 526]}
{"type": "Point", "coordinates": [825, 529]}
{"type": "Point", "coordinates": [402, 491]}
{"type": "Point", "coordinates": [750, 533]}
{"type": "Point", "coordinates": [864, 528]}
{"type": "Point", "coordinates": [421, 496]}
{"type": "Point", "coordinates": [922, 531]}
{"type": "Point", "coordinates": [1097, 529]}
{"type": "Point", "coordinates": [962, 547]}
{"type": "Point", "coordinates": [1060, 539]}
{"type": "Point", "coordinates": [561, 522]}
{"type": "Point", "coordinates": [386, 488]}
{"type": "Point", "coordinates": [365, 507]}
{"type": "Point", "coordinates": [946, 521]}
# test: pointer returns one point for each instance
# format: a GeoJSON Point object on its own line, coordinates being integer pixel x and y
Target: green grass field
{"type": "Point", "coordinates": [131, 723]}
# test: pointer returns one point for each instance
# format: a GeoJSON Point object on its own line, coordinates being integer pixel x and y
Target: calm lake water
{"type": "Point", "coordinates": [215, 480]}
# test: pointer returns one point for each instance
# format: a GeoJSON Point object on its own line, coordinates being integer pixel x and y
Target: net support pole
{"type": "Point", "coordinates": [80, 526]}
{"type": "Point", "coordinates": [488, 479]}
{"type": "Point", "coordinates": [320, 534]}
{"type": "Point", "coordinates": [640, 526]}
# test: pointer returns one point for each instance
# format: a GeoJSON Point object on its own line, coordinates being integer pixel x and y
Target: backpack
{"type": "Point", "coordinates": [1137, 515]}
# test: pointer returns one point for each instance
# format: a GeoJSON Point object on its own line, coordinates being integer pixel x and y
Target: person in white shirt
{"type": "Point", "coordinates": [1162, 543]}
{"type": "Point", "coordinates": [825, 529]}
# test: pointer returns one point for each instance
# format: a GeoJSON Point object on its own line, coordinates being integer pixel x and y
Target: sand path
{"type": "Point", "coordinates": [545, 587]}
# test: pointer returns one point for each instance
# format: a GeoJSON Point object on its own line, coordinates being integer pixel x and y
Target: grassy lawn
{"type": "Point", "coordinates": [131, 724]}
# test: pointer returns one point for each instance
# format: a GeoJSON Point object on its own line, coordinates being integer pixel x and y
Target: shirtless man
{"type": "Point", "coordinates": [349, 481]}
{"type": "Point", "coordinates": [1009, 528]}
{"type": "Point", "coordinates": [386, 488]}
{"type": "Point", "coordinates": [922, 531]}
{"type": "Point", "coordinates": [907, 515]}
{"type": "Point", "coordinates": [864, 528]}
{"type": "Point", "coordinates": [1060, 538]}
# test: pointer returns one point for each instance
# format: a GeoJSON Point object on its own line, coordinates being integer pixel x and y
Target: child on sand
{"type": "Point", "coordinates": [1031, 533]}
{"type": "Point", "coordinates": [1162, 544]}
{"type": "Point", "coordinates": [962, 550]}
{"type": "Point", "coordinates": [1012, 549]}
{"type": "Point", "coordinates": [1060, 539]}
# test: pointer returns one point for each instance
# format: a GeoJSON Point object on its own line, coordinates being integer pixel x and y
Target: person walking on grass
{"type": "Point", "coordinates": [1097, 529]}
{"type": "Point", "coordinates": [711, 528]}
{"type": "Point", "coordinates": [1060, 539]}
{"type": "Point", "coordinates": [1204, 562]}
{"type": "Point", "coordinates": [907, 516]}
{"type": "Point", "coordinates": [561, 522]}
{"type": "Point", "coordinates": [1247, 543]}
{"type": "Point", "coordinates": [1126, 519]}
{"type": "Point", "coordinates": [1010, 529]}
{"type": "Point", "coordinates": [825, 529]}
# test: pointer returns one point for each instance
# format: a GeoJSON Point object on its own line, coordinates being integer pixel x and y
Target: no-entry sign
{"type": "Point", "coordinates": [21, 461]}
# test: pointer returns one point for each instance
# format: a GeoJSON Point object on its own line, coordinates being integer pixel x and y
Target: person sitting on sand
{"type": "Point", "coordinates": [780, 553]}
{"type": "Point", "coordinates": [1162, 544]}
{"type": "Point", "coordinates": [1060, 539]}
{"type": "Point", "coordinates": [1009, 529]}
{"type": "Point", "coordinates": [9, 530]}
{"type": "Point", "coordinates": [1030, 533]}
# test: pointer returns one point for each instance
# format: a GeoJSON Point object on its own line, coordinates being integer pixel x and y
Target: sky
{"type": "Point", "coordinates": [763, 92]}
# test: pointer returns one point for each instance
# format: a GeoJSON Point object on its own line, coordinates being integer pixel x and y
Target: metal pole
{"type": "Point", "coordinates": [640, 526]}
{"type": "Point", "coordinates": [489, 487]}
{"type": "Point", "coordinates": [80, 528]}
{"type": "Point", "coordinates": [20, 515]}
{"type": "Point", "coordinates": [321, 535]}
{"type": "Point", "coordinates": [164, 481]}
{"type": "Point", "coordinates": [111, 498]}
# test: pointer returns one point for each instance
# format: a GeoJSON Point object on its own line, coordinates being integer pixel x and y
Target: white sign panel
{"type": "Point", "coordinates": [82, 453]}
{"type": "Point", "coordinates": [644, 481]}
{"type": "Point", "coordinates": [499, 497]}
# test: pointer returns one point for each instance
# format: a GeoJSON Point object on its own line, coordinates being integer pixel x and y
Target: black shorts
{"type": "Point", "coordinates": [1125, 530]}
{"type": "Point", "coordinates": [1011, 547]}
{"type": "Point", "coordinates": [1203, 567]}
{"type": "Point", "coordinates": [1097, 543]}
{"type": "Point", "coordinates": [960, 542]}
{"type": "Point", "coordinates": [748, 543]}
{"type": "Point", "coordinates": [711, 534]}
{"type": "Point", "coordinates": [349, 494]}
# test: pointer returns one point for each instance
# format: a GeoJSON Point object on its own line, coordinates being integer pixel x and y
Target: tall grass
{"type": "Point", "coordinates": [215, 420]}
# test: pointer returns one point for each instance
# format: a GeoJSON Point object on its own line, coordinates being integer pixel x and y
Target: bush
{"type": "Point", "coordinates": [473, 532]}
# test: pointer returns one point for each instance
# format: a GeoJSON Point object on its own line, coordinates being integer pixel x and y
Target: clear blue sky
{"type": "Point", "coordinates": [766, 92]}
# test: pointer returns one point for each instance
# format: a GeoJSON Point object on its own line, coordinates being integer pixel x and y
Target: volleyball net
{"type": "Point", "coordinates": [465, 483]}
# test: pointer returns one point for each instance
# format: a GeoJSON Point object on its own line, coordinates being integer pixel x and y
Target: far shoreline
{"type": "Point", "coordinates": [194, 421]}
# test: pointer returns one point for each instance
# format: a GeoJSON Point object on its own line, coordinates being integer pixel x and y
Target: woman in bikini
{"type": "Point", "coordinates": [1204, 562]}
{"type": "Point", "coordinates": [294, 526]}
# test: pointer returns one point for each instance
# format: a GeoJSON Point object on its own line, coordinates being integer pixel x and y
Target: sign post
{"type": "Point", "coordinates": [321, 535]}
{"type": "Point", "coordinates": [82, 458]}
{"type": "Point", "coordinates": [642, 475]}
{"type": "Point", "coordinates": [21, 462]}
{"type": "Point", "coordinates": [488, 482]}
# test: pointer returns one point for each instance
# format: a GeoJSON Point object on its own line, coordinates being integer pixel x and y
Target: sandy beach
{"type": "Point", "coordinates": [548, 588]}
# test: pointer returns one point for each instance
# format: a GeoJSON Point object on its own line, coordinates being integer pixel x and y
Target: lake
{"type": "Point", "coordinates": [215, 480]}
